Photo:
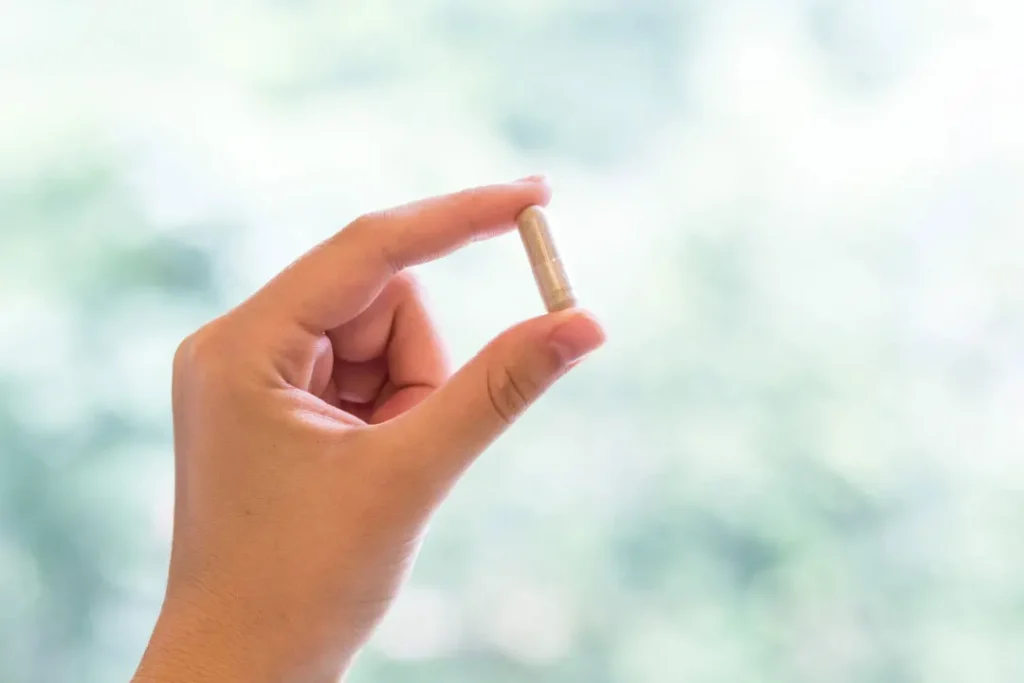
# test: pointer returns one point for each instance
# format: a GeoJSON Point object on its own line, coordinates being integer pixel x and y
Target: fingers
{"type": "Point", "coordinates": [455, 423]}
{"type": "Point", "coordinates": [394, 401]}
{"type": "Point", "coordinates": [335, 281]}
{"type": "Point", "coordinates": [416, 357]}
{"type": "Point", "coordinates": [394, 339]}
{"type": "Point", "coordinates": [359, 382]}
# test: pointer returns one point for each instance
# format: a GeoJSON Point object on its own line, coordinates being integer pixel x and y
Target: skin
{"type": "Point", "coordinates": [316, 431]}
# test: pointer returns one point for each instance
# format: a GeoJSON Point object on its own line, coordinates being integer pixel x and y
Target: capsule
{"type": "Point", "coordinates": [548, 271]}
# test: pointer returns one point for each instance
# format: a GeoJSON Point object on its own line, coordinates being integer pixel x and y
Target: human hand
{"type": "Point", "coordinates": [317, 429]}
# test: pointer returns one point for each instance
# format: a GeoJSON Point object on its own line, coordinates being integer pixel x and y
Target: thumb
{"type": "Point", "coordinates": [458, 421]}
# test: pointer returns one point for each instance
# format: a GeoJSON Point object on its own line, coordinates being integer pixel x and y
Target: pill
{"type": "Point", "coordinates": [548, 271]}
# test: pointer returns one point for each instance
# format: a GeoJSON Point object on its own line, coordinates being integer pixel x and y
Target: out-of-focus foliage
{"type": "Point", "coordinates": [801, 455]}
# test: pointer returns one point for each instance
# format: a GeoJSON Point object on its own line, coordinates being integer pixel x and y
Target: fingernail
{"type": "Point", "coordinates": [576, 337]}
{"type": "Point", "coordinates": [536, 178]}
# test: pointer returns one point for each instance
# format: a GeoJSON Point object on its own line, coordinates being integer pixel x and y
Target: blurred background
{"type": "Point", "coordinates": [800, 458]}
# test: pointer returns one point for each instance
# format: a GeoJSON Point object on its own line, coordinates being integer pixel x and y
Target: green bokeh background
{"type": "Point", "coordinates": [800, 458]}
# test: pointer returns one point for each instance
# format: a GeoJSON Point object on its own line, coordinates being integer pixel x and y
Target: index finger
{"type": "Point", "coordinates": [338, 279]}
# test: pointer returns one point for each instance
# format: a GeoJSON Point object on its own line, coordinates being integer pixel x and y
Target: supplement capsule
{"type": "Point", "coordinates": [548, 271]}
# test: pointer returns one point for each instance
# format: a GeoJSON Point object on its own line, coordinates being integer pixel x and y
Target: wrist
{"type": "Point", "coordinates": [189, 643]}
{"type": "Point", "coordinates": [201, 643]}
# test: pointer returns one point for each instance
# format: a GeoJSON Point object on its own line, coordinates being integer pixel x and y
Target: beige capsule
{"type": "Point", "coordinates": [548, 271]}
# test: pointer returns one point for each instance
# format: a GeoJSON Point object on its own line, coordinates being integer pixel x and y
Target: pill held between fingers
{"type": "Point", "coordinates": [548, 271]}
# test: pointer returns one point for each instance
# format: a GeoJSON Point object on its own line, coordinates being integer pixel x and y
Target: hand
{"type": "Point", "coordinates": [316, 430]}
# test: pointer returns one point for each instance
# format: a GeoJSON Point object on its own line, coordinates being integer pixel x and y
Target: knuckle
{"type": "Point", "coordinates": [509, 392]}
{"type": "Point", "coordinates": [201, 349]}
{"type": "Point", "coordinates": [366, 232]}
{"type": "Point", "coordinates": [188, 354]}
{"type": "Point", "coordinates": [407, 284]}
{"type": "Point", "coordinates": [183, 355]}
{"type": "Point", "coordinates": [363, 224]}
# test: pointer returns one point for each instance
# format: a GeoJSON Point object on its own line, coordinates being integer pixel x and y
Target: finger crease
{"type": "Point", "coordinates": [492, 395]}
